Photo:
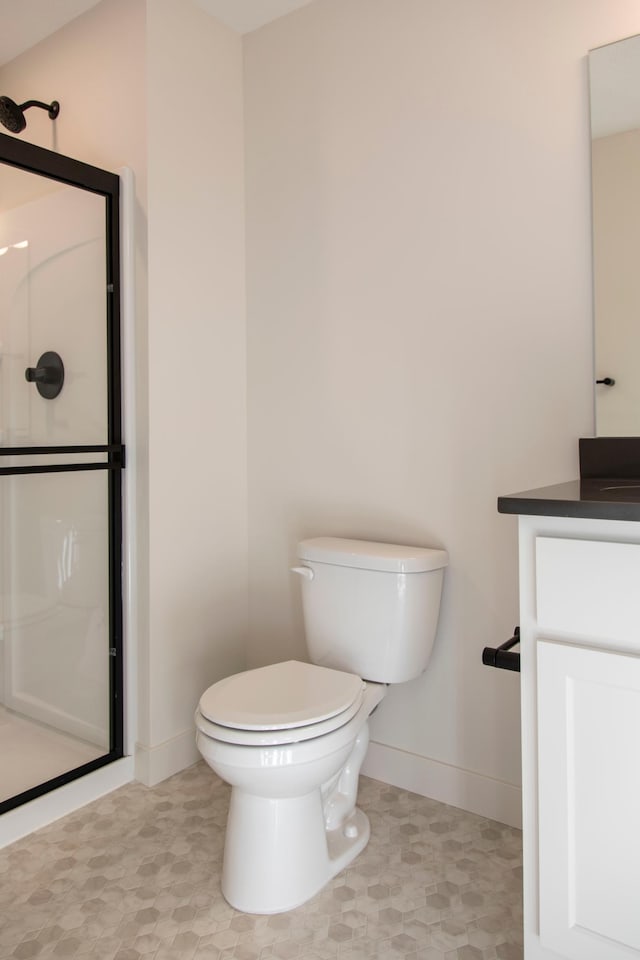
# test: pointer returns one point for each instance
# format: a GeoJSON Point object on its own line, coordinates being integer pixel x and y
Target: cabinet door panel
{"type": "Point", "coordinates": [588, 792]}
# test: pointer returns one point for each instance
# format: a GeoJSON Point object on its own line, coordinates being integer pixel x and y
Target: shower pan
{"type": "Point", "coordinates": [61, 462]}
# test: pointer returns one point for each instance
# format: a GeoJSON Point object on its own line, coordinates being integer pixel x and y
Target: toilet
{"type": "Point", "coordinates": [290, 738]}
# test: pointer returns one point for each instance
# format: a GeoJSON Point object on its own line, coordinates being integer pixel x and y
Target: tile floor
{"type": "Point", "coordinates": [135, 876]}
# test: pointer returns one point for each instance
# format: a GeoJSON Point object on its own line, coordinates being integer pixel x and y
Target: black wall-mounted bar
{"type": "Point", "coordinates": [503, 656]}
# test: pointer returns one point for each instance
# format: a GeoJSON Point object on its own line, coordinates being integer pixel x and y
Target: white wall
{"type": "Point", "coordinates": [419, 325]}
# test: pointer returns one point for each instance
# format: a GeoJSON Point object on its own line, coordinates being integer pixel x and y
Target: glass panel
{"type": "Point", "coordinates": [54, 621]}
{"type": "Point", "coordinates": [52, 298]}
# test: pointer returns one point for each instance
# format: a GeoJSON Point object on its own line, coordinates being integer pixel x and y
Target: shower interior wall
{"type": "Point", "coordinates": [52, 295]}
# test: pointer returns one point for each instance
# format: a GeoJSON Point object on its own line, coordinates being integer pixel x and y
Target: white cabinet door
{"type": "Point", "coordinates": [589, 801]}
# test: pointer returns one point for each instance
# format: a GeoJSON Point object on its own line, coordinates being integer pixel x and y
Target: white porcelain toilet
{"type": "Point", "coordinates": [290, 738]}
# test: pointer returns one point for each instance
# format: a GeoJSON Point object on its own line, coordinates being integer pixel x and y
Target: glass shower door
{"type": "Point", "coordinates": [60, 462]}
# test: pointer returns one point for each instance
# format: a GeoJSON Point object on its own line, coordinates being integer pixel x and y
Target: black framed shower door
{"type": "Point", "coordinates": [61, 462]}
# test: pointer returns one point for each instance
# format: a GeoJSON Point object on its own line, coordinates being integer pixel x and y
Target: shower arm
{"type": "Point", "coordinates": [53, 109]}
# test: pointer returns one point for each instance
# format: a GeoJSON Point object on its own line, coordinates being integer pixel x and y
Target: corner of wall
{"type": "Point", "coordinates": [154, 764]}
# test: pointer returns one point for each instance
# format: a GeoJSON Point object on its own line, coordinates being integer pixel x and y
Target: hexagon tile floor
{"type": "Point", "coordinates": [136, 876]}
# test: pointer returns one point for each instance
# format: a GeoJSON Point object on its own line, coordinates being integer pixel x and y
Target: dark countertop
{"type": "Point", "coordinates": [594, 499]}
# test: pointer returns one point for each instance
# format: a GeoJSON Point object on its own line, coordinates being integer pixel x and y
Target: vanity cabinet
{"type": "Point", "coordinates": [580, 674]}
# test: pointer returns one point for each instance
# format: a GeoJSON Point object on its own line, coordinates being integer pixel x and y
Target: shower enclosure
{"type": "Point", "coordinates": [61, 458]}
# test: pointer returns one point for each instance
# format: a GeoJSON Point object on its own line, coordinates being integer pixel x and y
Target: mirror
{"type": "Point", "coordinates": [614, 79]}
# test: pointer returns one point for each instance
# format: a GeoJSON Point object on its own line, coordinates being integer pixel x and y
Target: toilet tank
{"type": "Point", "coordinates": [370, 608]}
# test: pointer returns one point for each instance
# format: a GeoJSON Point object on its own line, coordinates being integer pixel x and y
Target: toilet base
{"type": "Point", "coordinates": [278, 853]}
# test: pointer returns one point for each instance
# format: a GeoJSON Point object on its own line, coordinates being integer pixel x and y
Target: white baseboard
{"type": "Point", "coordinates": [154, 764]}
{"type": "Point", "coordinates": [490, 798]}
{"type": "Point", "coordinates": [58, 803]}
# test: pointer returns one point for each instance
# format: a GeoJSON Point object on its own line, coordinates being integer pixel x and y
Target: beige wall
{"type": "Point", "coordinates": [419, 324]}
{"type": "Point", "coordinates": [197, 385]}
{"type": "Point", "coordinates": [157, 86]}
{"type": "Point", "coordinates": [95, 67]}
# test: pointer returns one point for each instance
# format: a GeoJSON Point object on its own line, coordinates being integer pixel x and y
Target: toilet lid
{"type": "Point", "coordinates": [280, 696]}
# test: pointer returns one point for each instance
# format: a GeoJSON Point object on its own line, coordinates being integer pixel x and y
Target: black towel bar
{"type": "Point", "coordinates": [503, 657]}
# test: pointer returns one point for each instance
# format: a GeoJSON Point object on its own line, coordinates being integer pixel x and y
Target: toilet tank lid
{"type": "Point", "coordinates": [368, 555]}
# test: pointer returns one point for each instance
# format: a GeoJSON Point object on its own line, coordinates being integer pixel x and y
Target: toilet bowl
{"type": "Point", "coordinates": [290, 737]}
{"type": "Point", "coordinates": [293, 822]}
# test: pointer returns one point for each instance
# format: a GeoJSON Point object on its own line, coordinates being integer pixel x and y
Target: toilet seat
{"type": "Point", "coordinates": [282, 703]}
{"type": "Point", "coordinates": [274, 738]}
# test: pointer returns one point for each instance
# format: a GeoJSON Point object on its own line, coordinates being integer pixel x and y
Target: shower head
{"type": "Point", "coordinates": [12, 114]}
